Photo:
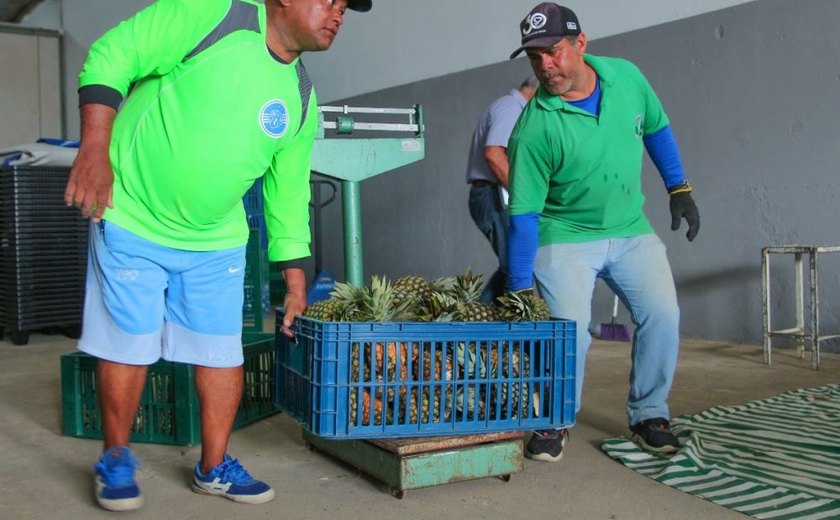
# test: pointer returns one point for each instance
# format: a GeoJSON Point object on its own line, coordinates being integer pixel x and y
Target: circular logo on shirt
{"type": "Point", "coordinates": [274, 118]}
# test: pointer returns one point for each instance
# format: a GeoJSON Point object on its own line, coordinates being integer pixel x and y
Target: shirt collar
{"type": "Point", "coordinates": [605, 72]}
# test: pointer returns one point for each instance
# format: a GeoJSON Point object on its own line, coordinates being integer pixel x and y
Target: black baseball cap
{"type": "Point", "coordinates": [545, 25]}
{"type": "Point", "coordinates": [359, 5]}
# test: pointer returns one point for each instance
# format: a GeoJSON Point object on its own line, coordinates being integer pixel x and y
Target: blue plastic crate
{"type": "Point", "coordinates": [380, 380]}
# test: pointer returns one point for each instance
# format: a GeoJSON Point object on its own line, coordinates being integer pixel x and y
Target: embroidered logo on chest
{"type": "Point", "coordinates": [274, 118]}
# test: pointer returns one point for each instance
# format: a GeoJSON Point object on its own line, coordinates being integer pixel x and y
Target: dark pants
{"type": "Point", "coordinates": [491, 218]}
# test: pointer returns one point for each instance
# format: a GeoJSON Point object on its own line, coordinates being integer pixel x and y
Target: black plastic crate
{"type": "Point", "coordinates": [43, 253]}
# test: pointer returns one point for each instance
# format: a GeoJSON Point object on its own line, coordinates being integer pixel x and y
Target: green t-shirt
{"type": "Point", "coordinates": [210, 110]}
{"type": "Point", "coordinates": [581, 172]}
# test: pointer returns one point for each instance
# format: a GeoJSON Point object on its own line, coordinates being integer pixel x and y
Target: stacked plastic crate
{"type": "Point", "coordinates": [43, 254]}
{"type": "Point", "coordinates": [168, 412]}
{"type": "Point", "coordinates": [257, 303]}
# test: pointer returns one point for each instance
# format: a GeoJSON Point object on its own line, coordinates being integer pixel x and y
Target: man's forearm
{"type": "Point", "coordinates": [497, 160]}
{"type": "Point", "coordinates": [97, 122]}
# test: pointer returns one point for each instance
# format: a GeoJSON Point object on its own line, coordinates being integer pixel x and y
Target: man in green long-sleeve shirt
{"type": "Point", "coordinates": [183, 106]}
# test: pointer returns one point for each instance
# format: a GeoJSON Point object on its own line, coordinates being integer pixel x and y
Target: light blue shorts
{"type": "Point", "coordinates": [144, 301]}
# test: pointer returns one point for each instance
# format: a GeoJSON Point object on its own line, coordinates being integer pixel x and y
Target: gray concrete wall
{"type": "Point", "coordinates": [402, 42]}
{"type": "Point", "coordinates": [394, 44]}
{"type": "Point", "coordinates": [752, 92]}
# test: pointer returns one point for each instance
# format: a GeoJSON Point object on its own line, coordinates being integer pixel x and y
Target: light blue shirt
{"type": "Point", "coordinates": [493, 129]}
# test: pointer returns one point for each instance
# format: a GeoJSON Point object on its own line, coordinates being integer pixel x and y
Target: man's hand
{"type": "Point", "coordinates": [295, 301]}
{"type": "Point", "coordinates": [683, 206]}
{"type": "Point", "coordinates": [90, 186]}
{"type": "Point", "coordinates": [294, 304]}
{"type": "Point", "coordinates": [91, 182]}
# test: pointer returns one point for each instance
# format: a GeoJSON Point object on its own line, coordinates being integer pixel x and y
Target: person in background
{"type": "Point", "coordinates": [577, 210]}
{"type": "Point", "coordinates": [487, 174]}
{"type": "Point", "coordinates": [183, 107]}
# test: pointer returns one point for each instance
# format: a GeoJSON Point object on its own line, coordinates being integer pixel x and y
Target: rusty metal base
{"type": "Point", "coordinates": [403, 464]}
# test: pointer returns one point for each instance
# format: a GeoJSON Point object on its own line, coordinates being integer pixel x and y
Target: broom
{"type": "Point", "coordinates": [613, 331]}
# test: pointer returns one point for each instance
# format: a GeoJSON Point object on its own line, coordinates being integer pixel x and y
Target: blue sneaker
{"type": "Point", "coordinates": [116, 489]}
{"type": "Point", "coordinates": [230, 480]}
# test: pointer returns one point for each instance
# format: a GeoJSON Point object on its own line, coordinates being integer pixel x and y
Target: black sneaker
{"type": "Point", "coordinates": [655, 435]}
{"type": "Point", "coordinates": [547, 445]}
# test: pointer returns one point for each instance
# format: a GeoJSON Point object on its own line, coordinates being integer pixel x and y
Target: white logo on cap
{"type": "Point", "coordinates": [572, 26]}
{"type": "Point", "coordinates": [535, 21]}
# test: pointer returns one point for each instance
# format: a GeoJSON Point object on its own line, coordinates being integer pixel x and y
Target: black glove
{"type": "Point", "coordinates": [683, 206]}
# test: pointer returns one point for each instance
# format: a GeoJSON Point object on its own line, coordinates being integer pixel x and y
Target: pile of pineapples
{"type": "Point", "coordinates": [413, 298]}
{"type": "Point", "coordinates": [429, 381]}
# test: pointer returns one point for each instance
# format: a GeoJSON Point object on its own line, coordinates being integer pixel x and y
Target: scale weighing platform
{"type": "Point", "coordinates": [407, 463]}
{"type": "Point", "coordinates": [403, 464]}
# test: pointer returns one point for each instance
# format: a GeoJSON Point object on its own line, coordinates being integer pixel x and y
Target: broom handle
{"type": "Point", "coordinates": [615, 307]}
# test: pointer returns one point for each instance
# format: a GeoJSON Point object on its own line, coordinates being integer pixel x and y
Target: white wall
{"type": "Point", "coordinates": [30, 86]}
{"type": "Point", "coordinates": [399, 41]}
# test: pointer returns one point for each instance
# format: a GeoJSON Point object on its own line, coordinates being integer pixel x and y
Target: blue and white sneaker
{"type": "Point", "coordinates": [116, 489]}
{"type": "Point", "coordinates": [232, 481]}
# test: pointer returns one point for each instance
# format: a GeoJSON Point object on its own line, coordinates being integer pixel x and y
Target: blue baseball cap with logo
{"type": "Point", "coordinates": [545, 25]}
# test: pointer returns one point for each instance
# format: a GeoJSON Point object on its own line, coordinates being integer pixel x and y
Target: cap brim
{"type": "Point", "coordinates": [548, 41]}
{"type": "Point", "coordinates": [359, 5]}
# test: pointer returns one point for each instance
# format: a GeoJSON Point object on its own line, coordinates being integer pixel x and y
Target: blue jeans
{"type": "Point", "coordinates": [637, 270]}
{"type": "Point", "coordinates": [491, 218]}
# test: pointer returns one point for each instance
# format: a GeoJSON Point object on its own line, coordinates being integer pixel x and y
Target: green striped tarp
{"type": "Point", "coordinates": [772, 458]}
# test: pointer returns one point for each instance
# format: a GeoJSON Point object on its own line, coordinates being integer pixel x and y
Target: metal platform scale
{"type": "Point", "coordinates": [400, 464]}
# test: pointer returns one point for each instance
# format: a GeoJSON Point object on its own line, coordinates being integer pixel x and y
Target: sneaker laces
{"type": "Point", "coordinates": [117, 471]}
{"type": "Point", "coordinates": [657, 423]}
{"type": "Point", "coordinates": [230, 470]}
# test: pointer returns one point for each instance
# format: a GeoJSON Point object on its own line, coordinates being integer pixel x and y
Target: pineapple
{"type": "Point", "coordinates": [521, 306]}
{"type": "Point", "coordinates": [474, 311]}
{"type": "Point", "coordinates": [467, 290]}
{"type": "Point", "coordinates": [515, 368]}
{"type": "Point", "coordinates": [423, 382]}
{"type": "Point", "coordinates": [377, 408]}
{"type": "Point", "coordinates": [324, 310]}
{"type": "Point", "coordinates": [349, 298]}
{"type": "Point", "coordinates": [435, 364]}
{"type": "Point", "coordinates": [412, 288]}
{"type": "Point", "coordinates": [455, 298]}
{"type": "Point", "coordinates": [439, 307]}
{"type": "Point", "coordinates": [376, 302]}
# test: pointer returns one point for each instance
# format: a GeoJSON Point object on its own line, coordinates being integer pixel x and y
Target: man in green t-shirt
{"type": "Point", "coordinates": [576, 210]}
{"type": "Point", "coordinates": [183, 107]}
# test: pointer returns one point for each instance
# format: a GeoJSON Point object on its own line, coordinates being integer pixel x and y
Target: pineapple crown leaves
{"type": "Point", "coordinates": [444, 284]}
{"type": "Point", "coordinates": [346, 292]}
{"type": "Point", "coordinates": [442, 307]}
{"type": "Point", "coordinates": [519, 306]}
{"type": "Point", "coordinates": [468, 286]}
{"type": "Point", "coordinates": [376, 302]}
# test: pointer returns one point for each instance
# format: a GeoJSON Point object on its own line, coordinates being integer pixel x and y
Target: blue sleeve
{"type": "Point", "coordinates": [662, 148]}
{"type": "Point", "coordinates": [523, 240]}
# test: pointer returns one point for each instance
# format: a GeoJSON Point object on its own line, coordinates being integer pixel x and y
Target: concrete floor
{"type": "Point", "coordinates": [45, 475]}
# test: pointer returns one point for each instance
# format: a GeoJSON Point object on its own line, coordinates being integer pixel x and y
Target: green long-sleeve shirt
{"type": "Point", "coordinates": [208, 109]}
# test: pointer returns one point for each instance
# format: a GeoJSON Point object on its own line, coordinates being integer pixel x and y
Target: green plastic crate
{"type": "Point", "coordinates": [256, 306]}
{"type": "Point", "coordinates": [168, 412]}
